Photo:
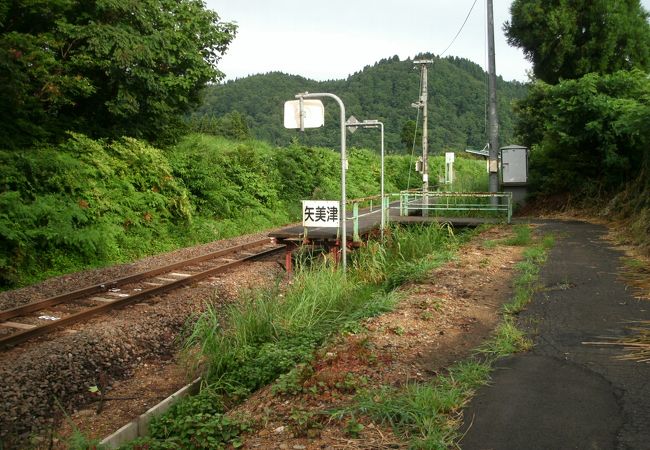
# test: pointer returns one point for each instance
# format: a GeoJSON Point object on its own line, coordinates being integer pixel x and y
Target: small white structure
{"type": "Point", "coordinates": [514, 171]}
{"type": "Point", "coordinates": [301, 114]}
{"type": "Point", "coordinates": [449, 167]}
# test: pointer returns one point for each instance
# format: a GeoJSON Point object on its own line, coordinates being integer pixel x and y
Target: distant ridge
{"type": "Point", "coordinates": [383, 91]}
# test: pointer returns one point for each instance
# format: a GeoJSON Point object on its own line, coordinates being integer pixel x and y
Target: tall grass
{"type": "Point", "coordinates": [428, 415]}
{"type": "Point", "coordinates": [269, 331]}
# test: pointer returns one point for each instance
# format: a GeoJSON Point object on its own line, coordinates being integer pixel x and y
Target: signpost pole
{"type": "Point", "coordinates": [352, 125]}
{"type": "Point", "coordinates": [343, 170]}
{"type": "Point", "coordinates": [383, 209]}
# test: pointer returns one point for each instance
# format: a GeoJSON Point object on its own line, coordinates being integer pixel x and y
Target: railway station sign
{"type": "Point", "coordinates": [320, 213]}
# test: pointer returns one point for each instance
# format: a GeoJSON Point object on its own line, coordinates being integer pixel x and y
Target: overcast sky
{"type": "Point", "coordinates": [331, 39]}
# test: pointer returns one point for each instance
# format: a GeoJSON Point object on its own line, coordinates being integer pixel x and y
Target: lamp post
{"type": "Point", "coordinates": [307, 95]}
{"type": "Point", "coordinates": [380, 125]}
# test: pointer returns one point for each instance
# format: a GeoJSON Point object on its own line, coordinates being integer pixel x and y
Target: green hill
{"type": "Point", "coordinates": [384, 91]}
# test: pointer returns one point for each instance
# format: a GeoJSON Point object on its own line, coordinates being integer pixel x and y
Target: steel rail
{"type": "Point", "coordinates": [21, 336]}
{"type": "Point", "coordinates": [103, 287]}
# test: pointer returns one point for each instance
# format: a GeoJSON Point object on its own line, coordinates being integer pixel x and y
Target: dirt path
{"type": "Point", "coordinates": [565, 394]}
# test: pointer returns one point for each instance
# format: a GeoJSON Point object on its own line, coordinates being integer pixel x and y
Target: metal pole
{"type": "Point", "coordinates": [343, 169]}
{"type": "Point", "coordinates": [425, 135]}
{"type": "Point", "coordinates": [492, 106]}
{"type": "Point", "coordinates": [424, 97]}
{"type": "Point", "coordinates": [383, 212]}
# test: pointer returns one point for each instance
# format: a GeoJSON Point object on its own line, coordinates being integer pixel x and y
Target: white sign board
{"type": "Point", "coordinates": [313, 114]}
{"type": "Point", "coordinates": [449, 157]}
{"type": "Point", "coordinates": [320, 213]}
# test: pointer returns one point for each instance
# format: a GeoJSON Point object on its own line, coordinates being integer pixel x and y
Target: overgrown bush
{"type": "Point", "coordinates": [587, 136]}
{"type": "Point", "coordinates": [83, 202]}
{"type": "Point", "coordinates": [90, 202]}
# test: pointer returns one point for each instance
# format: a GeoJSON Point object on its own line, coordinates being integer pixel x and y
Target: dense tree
{"type": "Point", "coordinates": [232, 125]}
{"type": "Point", "coordinates": [566, 39]}
{"type": "Point", "coordinates": [408, 136]}
{"type": "Point", "coordinates": [588, 135]}
{"type": "Point", "coordinates": [104, 67]}
{"type": "Point", "coordinates": [384, 91]}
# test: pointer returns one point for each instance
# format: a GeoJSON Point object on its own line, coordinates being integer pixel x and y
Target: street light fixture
{"type": "Point", "coordinates": [303, 123]}
{"type": "Point", "coordinates": [352, 124]}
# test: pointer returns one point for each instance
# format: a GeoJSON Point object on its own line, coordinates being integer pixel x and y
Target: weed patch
{"type": "Point", "coordinates": [273, 334]}
{"type": "Point", "coordinates": [428, 414]}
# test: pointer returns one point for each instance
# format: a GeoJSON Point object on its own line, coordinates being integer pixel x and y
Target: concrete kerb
{"type": "Point", "coordinates": [140, 426]}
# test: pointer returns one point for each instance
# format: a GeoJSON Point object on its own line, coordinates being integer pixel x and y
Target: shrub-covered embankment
{"type": "Point", "coordinates": [89, 203]}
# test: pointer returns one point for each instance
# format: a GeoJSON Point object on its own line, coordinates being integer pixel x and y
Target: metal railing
{"type": "Point", "coordinates": [366, 206]}
{"type": "Point", "coordinates": [467, 203]}
{"type": "Point", "coordinates": [470, 204]}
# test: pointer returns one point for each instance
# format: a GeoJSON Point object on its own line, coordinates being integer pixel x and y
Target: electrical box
{"type": "Point", "coordinates": [418, 165]}
{"type": "Point", "coordinates": [513, 162]}
{"type": "Point", "coordinates": [514, 165]}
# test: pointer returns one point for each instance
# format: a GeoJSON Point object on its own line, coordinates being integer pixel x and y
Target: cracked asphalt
{"type": "Point", "coordinates": [565, 394]}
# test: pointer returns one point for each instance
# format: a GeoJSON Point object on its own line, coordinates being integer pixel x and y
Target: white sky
{"type": "Point", "coordinates": [331, 39]}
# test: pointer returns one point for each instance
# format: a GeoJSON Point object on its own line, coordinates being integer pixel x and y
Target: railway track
{"type": "Point", "coordinates": [34, 319]}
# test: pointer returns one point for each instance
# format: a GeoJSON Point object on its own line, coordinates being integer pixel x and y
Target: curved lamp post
{"type": "Point", "coordinates": [316, 123]}
{"type": "Point", "coordinates": [352, 123]}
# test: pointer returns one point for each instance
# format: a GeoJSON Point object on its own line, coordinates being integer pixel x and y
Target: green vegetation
{"type": "Point", "coordinates": [87, 203]}
{"type": "Point", "coordinates": [196, 422]}
{"type": "Point", "coordinates": [271, 334]}
{"type": "Point", "coordinates": [523, 236]}
{"type": "Point", "coordinates": [528, 269]}
{"type": "Point", "coordinates": [585, 116]}
{"type": "Point", "coordinates": [588, 136]}
{"type": "Point", "coordinates": [84, 203]}
{"type": "Point", "coordinates": [383, 91]}
{"type": "Point", "coordinates": [567, 40]}
{"type": "Point", "coordinates": [427, 415]}
{"type": "Point", "coordinates": [104, 68]}
{"type": "Point", "coordinates": [420, 412]}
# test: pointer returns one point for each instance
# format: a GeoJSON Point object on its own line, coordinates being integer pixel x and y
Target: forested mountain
{"type": "Point", "coordinates": [384, 91]}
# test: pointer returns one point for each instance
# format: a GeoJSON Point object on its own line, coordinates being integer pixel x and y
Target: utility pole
{"type": "Point", "coordinates": [422, 103]}
{"type": "Point", "coordinates": [493, 119]}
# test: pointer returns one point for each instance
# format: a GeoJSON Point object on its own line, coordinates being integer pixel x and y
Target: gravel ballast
{"type": "Point", "coordinates": [45, 379]}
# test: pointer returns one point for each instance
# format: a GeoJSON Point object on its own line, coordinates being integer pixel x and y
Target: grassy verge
{"type": "Point", "coordinates": [429, 415]}
{"type": "Point", "coordinates": [272, 335]}
{"type": "Point", "coordinates": [269, 333]}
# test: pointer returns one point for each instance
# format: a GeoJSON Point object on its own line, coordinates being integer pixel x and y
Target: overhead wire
{"type": "Point", "coordinates": [420, 90]}
{"type": "Point", "coordinates": [460, 29]}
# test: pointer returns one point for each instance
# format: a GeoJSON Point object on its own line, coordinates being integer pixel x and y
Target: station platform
{"type": "Point", "coordinates": [471, 210]}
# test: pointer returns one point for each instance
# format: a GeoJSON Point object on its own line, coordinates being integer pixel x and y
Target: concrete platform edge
{"type": "Point", "coordinates": [140, 426]}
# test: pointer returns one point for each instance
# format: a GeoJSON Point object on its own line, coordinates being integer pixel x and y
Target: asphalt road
{"type": "Point", "coordinates": [564, 394]}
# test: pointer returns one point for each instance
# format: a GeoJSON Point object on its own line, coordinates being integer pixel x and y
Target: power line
{"type": "Point", "coordinates": [461, 29]}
